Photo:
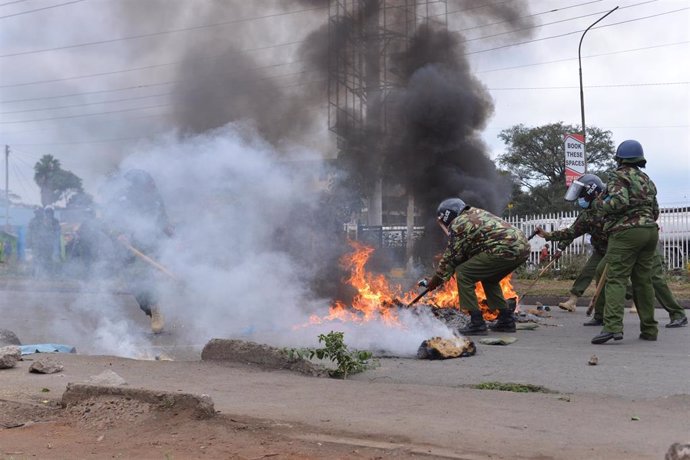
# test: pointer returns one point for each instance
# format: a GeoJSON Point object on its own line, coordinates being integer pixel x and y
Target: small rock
{"type": "Point", "coordinates": [8, 337]}
{"type": "Point", "coordinates": [9, 356]}
{"type": "Point", "coordinates": [47, 367]}
{"type": "Point", "coordinates": [593, 360]}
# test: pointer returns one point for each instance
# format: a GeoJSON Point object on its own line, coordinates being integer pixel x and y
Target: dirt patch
{"type": "Point", "coordinates": [14, 415]}
{"type": "Point", "coordinates": [108, 427]}
{"type": "Point", "coordinates": [240, 351]}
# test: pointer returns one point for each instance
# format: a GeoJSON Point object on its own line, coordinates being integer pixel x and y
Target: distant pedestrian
{"type": "Point", "coordinates": [544, 255]}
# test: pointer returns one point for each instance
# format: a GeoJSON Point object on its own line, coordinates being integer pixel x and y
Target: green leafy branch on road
{"type": "Point", "coordinates": [335, 350]}
{"type": "Point", "coordinates": [510, 386]}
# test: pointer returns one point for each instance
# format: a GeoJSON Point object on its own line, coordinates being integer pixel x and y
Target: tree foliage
{"type": "Point", "coordinates": [55, 183]}
{"type": "Point", "coordinates": [536, 155]}
{"type": "Point", "coordinates": [535, 162]}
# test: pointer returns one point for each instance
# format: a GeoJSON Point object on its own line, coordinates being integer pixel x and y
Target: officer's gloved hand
{"type": "Point", "coordinates": [431, 283]}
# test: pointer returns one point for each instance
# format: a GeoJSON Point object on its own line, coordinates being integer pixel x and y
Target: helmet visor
{"type": "Point", "coordinates": [574, 191]}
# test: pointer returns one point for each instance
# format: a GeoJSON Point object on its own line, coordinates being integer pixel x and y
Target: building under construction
{"type": "Point", "coordinates": [365, 36]}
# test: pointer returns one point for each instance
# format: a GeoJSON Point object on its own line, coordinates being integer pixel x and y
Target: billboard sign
{"type": "Point", "coordinates": [575, 164]}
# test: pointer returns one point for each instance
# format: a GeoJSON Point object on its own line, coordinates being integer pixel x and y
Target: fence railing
{"type": "Point", "coordinates": [674, 236]}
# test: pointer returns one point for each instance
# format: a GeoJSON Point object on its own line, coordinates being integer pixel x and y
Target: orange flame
{"type": "Point", "coordinates": [376, 299]}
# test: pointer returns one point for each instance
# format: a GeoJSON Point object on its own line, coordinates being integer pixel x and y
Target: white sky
{"type": "Point", "coordinates": [647, 57]}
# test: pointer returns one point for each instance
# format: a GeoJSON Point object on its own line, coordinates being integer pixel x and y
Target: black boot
{"type": "Point", "coordinates": [477, 325]}
{"type": "Point", "coordinates": [605, 336]}
{"type": "Point", "coordinates": [594, 322]}
{"type": "Point", "coordinates": [505, 322]}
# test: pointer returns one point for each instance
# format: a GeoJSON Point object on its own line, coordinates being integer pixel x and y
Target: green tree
{"type": "Point", "coordinates": [535, 158]}
{"type": "Point", "coordinates": [55, 183]}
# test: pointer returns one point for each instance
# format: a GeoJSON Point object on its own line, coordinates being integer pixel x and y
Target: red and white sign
{"type": "Point", "coordinates": [575, 163]}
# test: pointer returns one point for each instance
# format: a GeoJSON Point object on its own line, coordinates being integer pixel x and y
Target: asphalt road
{"type": "Point", "coordinates": [597, 411]}
{"type": "Point", "coordinates": [555, 356]}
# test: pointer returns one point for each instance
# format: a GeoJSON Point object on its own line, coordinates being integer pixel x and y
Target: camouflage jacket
{"type": "Point", "coordinates": [475, 231]}
{"type": "Point", "coordinates": [588, 221]}
{"type": "Point", "coordinates": [630, 200]}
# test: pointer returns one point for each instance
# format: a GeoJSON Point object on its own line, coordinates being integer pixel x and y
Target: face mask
{"type": "Point", "coordinates": [584, 204]}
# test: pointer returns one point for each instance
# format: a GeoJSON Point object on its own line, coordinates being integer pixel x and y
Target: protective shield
{"type": "Point", "coordinates": [574, 191]}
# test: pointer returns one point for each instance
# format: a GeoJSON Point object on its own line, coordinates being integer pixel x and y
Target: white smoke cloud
{"type": "Point", "coordinates": [232, 199]}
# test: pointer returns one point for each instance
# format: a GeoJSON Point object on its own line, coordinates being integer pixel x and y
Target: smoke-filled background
{"type": "Point", "coordinates": [257, 243]}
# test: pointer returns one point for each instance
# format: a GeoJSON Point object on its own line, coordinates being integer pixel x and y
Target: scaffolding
{"type": "Point", "coordinates": [364, 37]}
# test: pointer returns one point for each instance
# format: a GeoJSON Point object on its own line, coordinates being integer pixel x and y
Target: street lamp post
{"type": "Point", "coordinates": [579, 60]}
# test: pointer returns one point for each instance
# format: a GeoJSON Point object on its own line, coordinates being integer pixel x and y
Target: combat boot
{"type": "Point", "coordinates": [680, 322]}
{"type": "Point", "coordinates": [477, 325]}
{"type": "Point", "coordinates": [505, 322]}
{"type": "Point", "coordinates": [570, 304]}
{"type": "Point", "coordinates": [157, 321]}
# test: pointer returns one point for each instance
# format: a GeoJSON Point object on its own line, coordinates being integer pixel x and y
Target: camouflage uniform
{"type": "Point", "coordinates": [588, 221]}
{"type": "Point", "coordinates": [631, 211]}
{"type": "Point", "coordinates": [482, 248]}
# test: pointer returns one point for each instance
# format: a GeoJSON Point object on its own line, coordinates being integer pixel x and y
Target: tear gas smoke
{"type": "Point", "coordinates": [232, 200]}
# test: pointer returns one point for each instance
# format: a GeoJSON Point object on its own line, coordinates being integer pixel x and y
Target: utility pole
{"type": "Point", "coordinates": [7, 188]}
{"type": "Point", "coordinates": [579, 60]}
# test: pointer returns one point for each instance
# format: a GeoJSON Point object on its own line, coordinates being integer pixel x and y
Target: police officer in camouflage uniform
{"type": "Point", "coordinates": [631, 210]}
{"type": "Point", "coordinates": [586, 188]}
{"type": "Point", "coordinates": [481, 248]}
{"type": "Point", "coordinates": [662, 293]}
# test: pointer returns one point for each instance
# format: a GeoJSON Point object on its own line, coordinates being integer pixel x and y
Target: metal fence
{"type": "Point", "coordinates": [674, 236]}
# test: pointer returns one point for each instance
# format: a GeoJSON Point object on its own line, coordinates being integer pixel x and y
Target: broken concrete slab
{"type": "Point", "coordinates": [201, 406]}
{"type": "Point", "coordinates": [9, 356]}
{"type": "Point", "coordinates": [497, 340]}
{"type": "Point", "coordinates": [45, 367]}
{"type": "Point", "coordinates": [241, 351]}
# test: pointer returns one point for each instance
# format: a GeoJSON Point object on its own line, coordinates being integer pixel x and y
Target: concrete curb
{"type": "Point", "coordinates": [241, 351]}
{"type": "Point", "coordinates": [200, 405]}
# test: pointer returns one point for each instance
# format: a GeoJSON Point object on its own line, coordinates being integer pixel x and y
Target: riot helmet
{"type": "Point", "coordinates": [449, 209]}
{"type": "Point", "coordinates": [585, 188]}
{"type": "Point", "coordinates": [630, 152]}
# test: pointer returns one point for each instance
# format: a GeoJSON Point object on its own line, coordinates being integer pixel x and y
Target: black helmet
{"type": "Point", "coordinates": [449, 209]}
{"type": "Point", "coordinates": [629, 149]}
{"type": "Point", "coordinates": [630, 152]}
{"type": "Point", "coordinates": [587, 186]}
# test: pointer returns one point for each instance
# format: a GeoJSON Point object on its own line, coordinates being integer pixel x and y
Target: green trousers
{"type": "Point", "coordinates": [489, 270]}
{"type": "Point", "coordinates": [586, 275]}
{"type": "Point", "coordinates": [662, 292]}
{"type": "Point", "coordinates": [630, 255]}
